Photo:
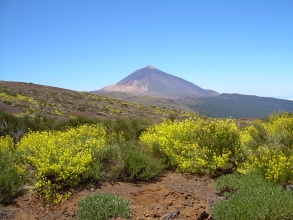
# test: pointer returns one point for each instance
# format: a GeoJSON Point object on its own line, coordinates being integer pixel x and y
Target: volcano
{"type": "Point", "coordinates": [150, 81]}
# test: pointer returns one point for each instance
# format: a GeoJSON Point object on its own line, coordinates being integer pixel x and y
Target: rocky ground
{"type": "Point", "coordinates": [191, 195]}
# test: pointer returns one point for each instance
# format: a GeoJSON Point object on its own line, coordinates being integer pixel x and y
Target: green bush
{"type": "Point", "coordinates": [10, 180]}
{"type": "Point", "coordinates": [251, 197]}
{"type": "Point", "coordinates": [107, 164]}
{"type": "Point", "coordinates": [103, 206]}
{"type": "Point", "coordinates": [127, 161]}
{"type": "Point", "coordinates": [119, 130]}
{"type": "Point", "coordinates": [18, 126]}
{"type": "Point", "coordinates": [122, 130]}
{"type": "Point", "coordinates": [140, 164]}
{"type": "Point", "coordinates": [78, 121]}
{"type": "Point", "coordinates": [11, 125]}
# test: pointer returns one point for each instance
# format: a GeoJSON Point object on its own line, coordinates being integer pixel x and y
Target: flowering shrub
{"type": "Point", "coordinates": [196, 145]}
{"type": "Point", "coordinates": [6, 144]}
{"type": "Point", "coordinates": [60, 158]}
{"type": "Point", "coordinates": [10, 180]}
{"type": "Point", "coordinates": [18, 97]}
{"type": "Point", "coordinates": [280, 126]}
{"type": "Point", "coordinates": [275, 165]}
{"type": "Point", "coordinates": [269, 148]}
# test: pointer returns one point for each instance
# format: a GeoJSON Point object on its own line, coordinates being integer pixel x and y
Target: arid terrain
{"type": "Point", "coordinates": [191, 195]}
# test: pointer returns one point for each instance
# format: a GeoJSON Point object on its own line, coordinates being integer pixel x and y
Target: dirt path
{"type": "Point", "coordinates": [191, 195]}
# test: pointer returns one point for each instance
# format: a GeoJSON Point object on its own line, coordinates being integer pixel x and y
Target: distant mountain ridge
{"type": "Point", "coordinates": [237, 106]}
{"type": "Point", "coordinates": [150, 86]}
{"type": "Point", "coordinates": [150, 81]}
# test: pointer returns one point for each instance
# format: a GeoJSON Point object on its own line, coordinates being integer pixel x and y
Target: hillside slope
{"type": "Point", "coordinates": [31, 99]}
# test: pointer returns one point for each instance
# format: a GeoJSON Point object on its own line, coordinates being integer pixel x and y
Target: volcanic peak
{"type": "Point", "coordinates": [150, 67]}
{"type": "Point", "coordinates": [154, 82]}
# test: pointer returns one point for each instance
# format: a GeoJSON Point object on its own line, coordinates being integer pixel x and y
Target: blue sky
{"type": "Point", "coordinates": [231, 46]}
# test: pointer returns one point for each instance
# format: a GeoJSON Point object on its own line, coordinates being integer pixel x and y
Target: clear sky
{"type": "Point", "coordinates": [230, 46]}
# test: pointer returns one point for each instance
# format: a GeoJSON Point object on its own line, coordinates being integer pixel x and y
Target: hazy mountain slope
{"type": "Point", "coordinates": [154, 82]}
{"type": "Point", "coordinates": [223, 106]}
{"type": "Point", "coordinates": [148, 100]}
{"type": "Point", "coordinates": [237, 106]}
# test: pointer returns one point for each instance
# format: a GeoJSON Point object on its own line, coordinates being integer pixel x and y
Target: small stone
{"type": "Point", "coordinates": [133, 193]}
{"type": "Point", "coordinates": [170, 215]}
{"type": "Point", "coordinates": [204, 215]}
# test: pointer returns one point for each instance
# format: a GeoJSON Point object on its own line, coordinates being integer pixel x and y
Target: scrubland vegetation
{"type": "Point", "coordinates": [261, 153]}
{"type": "Point", "coordinates": [31, 99]}
{"type": "Point", "coordinates": [252, 161]}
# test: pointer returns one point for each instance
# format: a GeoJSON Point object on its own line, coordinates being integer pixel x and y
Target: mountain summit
{"type": "Point", "coordinates": [151, 81]}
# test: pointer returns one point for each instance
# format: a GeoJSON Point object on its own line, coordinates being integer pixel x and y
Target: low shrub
{"type": "Point", "coordinates": [122, 130]}
{"type": "Point", "coordinates": [127, 161]}
{"type": "Point", "coordinates": [103, 206]}
{"type": "Point", "coordinates": [251, 197]}
{"type": "Point", "coordinates": [107, 165]}
{"type": "Point", "coordinates": [18, 126]}
{"type": "Point", "coordinates": [139, 164]}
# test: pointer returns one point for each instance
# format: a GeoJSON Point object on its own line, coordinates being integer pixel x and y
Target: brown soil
{"type": "Point", "coordinates": [193, 196]}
